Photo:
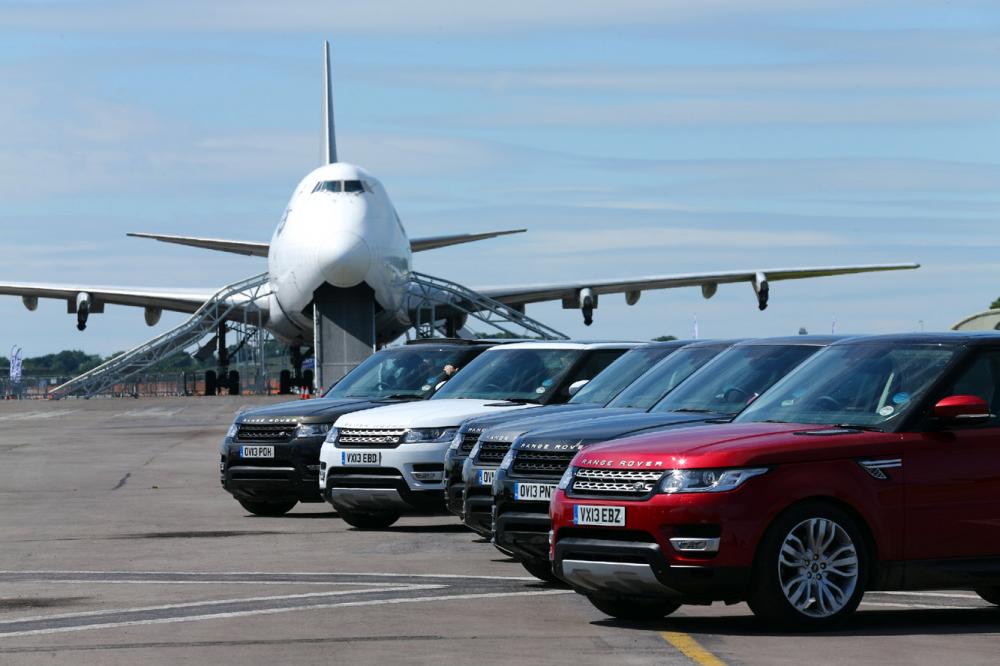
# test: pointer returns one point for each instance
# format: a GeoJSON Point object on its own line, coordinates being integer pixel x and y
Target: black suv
{"type": "Point", "coordinates": [269, 460]}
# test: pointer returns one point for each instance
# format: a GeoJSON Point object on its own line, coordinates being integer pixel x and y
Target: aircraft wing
{"type": "Point", "coordinates": [583, 294]}
{"type": "Point", "coordinates": [433, 242]}
{"type": "Point", "coordinates": [176, 300]}
{"type": "Point", "coordinates": [249, 248]}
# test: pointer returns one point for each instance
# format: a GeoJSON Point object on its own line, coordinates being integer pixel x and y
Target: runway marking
{"type": "Point", "coordinates": [54, 572]}
{"type": "Point", "coordinates": [946, 595]}
{"type": "Point", "coordinates": [889, 604]}
{"type": "Point", "coordinates": [374, 587]}
{"type": "Point", "coordinates": [271, 611]}
{"type": "Point", "coordinates": [691, 648]}
{"type": "Point", "coordinates": [26, 416]}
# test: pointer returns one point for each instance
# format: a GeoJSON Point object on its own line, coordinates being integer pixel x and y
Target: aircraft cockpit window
{"type": "Point", "coordinates": [353, 186]}
{"type": "Point", "coordinates": [329, 186]}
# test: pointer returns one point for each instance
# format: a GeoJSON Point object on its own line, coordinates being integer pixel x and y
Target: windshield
{"type": "Point", "coordinates": [403, 372]}
{"type": "Point", "coordinates": [625, 370]}
{"type": "Point", "coordinates": [664, 376]}
{"type": "Point", "coordinates": [512, 374]}
{"type": "Point", "coordinates": [862, 384]}
{"type": "Point", "coordinates": [735, 379]}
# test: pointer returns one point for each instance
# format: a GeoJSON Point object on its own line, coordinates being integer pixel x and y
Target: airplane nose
{"type": "Point", "coordinates": [346, 259]}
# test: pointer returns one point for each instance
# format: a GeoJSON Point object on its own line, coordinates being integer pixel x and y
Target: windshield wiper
{"type": "Point", "coordinates": [692, 410]}
{"type": "Point", "coordinates": [520, 401]}
{"type": "Point", "coordinates": [855, 426]}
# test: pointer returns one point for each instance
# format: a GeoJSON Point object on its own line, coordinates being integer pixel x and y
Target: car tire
{"type": "Point", "coordinates": [540, 568]}
{"type": "Point", "coordinates": [633, 609]}
{"type": "Point", "coordinates": [990, 594]}
{"type": "Point", "coordinates": [369, 521]}
{"type": "Point", "coordinates": [271, 509]}
{"type": "Point", "coordinates": [797, 585]}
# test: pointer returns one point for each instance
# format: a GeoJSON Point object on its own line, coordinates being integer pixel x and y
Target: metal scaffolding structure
{"type": "Point", "coordinates": [234, 307]}
{"type": "Point", "coordinates": [436, 306]}
{"type": "Point", "coordinates": [433, 301]}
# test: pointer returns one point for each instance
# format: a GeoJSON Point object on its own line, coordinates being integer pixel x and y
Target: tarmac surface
{"type": "Point", "coordinates": [118, 546]}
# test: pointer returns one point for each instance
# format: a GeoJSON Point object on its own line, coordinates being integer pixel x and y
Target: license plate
{"type": "Point", "coordinates": [486, 477]}
{"type": "Point", "coordinates": [605, 516]}
{"type": "Point", "coordinates": [256, 452]}
{"type": "Point", "coordinates": [534, 492]}
{"type": "Point", "coordinates": [361, 457]}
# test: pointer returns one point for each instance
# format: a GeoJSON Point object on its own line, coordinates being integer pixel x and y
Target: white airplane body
{"type": "Point", "coordinates": [340, 228]}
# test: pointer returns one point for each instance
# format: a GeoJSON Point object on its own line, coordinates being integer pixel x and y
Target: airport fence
{"type": "Point", "coordinates": [166, 384]}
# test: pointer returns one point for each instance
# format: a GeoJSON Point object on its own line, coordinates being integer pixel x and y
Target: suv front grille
{"type": "Point", "coordinates": [469, 440]}
{"type": "Point", "coordinates": [614, 482]}
{"type": "Point", "coordinates": [265, 432]}
{"type": "Point", "coordinates": [492, 453]}
{"type": "Point", "coordinates": [370, 438]}
{"type": "Point", "coordinates": [542, 463]}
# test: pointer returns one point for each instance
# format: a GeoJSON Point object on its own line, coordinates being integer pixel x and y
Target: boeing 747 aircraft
{"type": "Point", "coordinates": [340, 231]}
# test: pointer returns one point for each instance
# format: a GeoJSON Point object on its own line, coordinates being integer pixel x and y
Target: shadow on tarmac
{"type": "Point", "coordinates": [903, 622]}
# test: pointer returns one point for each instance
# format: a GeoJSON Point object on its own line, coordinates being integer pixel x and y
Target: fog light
{"type": "Point", "coordinates": [552, 536]}
{"type": "Point", "coordinates": [689, 545]}
{"type": "Point", "coordinates": [429, 477]}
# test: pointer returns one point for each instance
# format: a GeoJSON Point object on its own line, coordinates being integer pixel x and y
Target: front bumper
{"type": "Point", "coordinates": [293, 473]}
{"type": "Point", "coordinates": [520, 527]}
{"type": "Point", "coordinates": [407, 479]}
{"type": "Point", "coordinates": [477, 500]}
{"type": "Point", "coordinates": [613, 568]}
{"type": "Point", "coordinates": [454, 485]}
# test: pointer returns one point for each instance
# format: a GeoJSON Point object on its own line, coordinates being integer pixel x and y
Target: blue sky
{"type": "Point", "coordinates": [631, 138]}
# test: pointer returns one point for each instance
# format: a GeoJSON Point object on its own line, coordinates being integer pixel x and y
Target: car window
{"type": "Point", "coordinates": [512, 374]}
{"type": "Point", "coordinates": [863, 384]}
{"type": "Point", "coordinates": [981, 379]}
{"type": "Point", "coordinates": [664, 377]}
{"type": "Point", "coordinates": [613, 379]}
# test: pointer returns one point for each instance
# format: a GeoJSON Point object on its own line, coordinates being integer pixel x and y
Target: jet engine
{"type": "Point", "coordinates": [762, 290]}
{"type": "Point", "coordinates": [82, 310]}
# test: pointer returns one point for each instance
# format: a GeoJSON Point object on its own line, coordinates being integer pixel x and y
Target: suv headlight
{"type": "Point", "coordinates": [567, 478]}
{"type": "Point", "coordinates": [456, 441]}
{"type": "Point", "coordinates": [312, 429]}
{"type": "Point", "coordinates": [706, 480]}
{"type": "Point", "coordinates": [331, 435]}
{"type": "Point", "coordinates": [429, 435]}
{"type": "Point", "coordinates": [508, 459]}
{"type": "Point", "coordinates": [231, 433]}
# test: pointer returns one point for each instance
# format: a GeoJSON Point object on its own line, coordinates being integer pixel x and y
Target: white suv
{"type": "Point", "coordinates": [380, 463]}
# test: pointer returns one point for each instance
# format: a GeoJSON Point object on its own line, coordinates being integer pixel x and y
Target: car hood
{"type": "Point", "coordinates": [444, 413]}
{"type": "Point", "coordinates": [738, 445]}
{"type": "Point", "coordinates": [317, 410]}
{"type": "Point", "coordinates": [481, 423]}
{"type": "Point", "coordinates": [609, 426]}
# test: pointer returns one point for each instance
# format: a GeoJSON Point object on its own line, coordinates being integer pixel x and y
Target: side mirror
{"type": "Point", "coordinates": [960, 409]}
{"type": "Point", "coordinates": [575, 387]}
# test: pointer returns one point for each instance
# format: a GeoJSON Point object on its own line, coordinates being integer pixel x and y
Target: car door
{"type": "Point", "coordinates": [952, 475]}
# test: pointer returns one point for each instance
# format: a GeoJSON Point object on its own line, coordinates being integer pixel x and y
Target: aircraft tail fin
{"type": "Point", "coordinates": [331, 136]}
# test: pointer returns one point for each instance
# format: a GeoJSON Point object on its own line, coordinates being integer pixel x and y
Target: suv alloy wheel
{"type": "Point", "coordinates": [811, 568]}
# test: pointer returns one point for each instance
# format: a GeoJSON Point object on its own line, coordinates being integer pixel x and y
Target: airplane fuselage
{"type": "Point", "coordinates": [339, 228]}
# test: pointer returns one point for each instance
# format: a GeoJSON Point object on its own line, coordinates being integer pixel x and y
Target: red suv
{"type": "Point", "coordinates": [874, 466]}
